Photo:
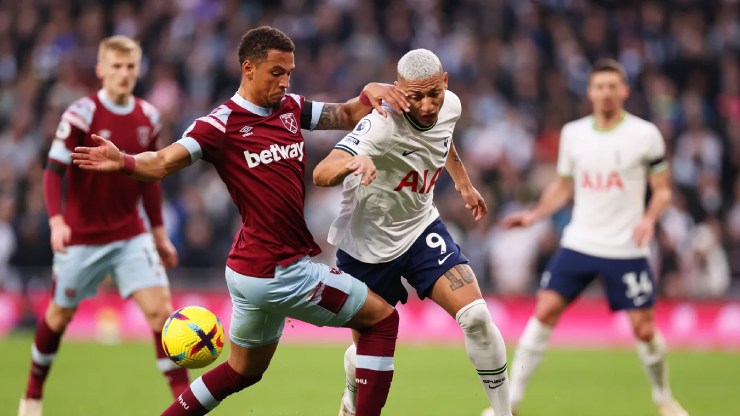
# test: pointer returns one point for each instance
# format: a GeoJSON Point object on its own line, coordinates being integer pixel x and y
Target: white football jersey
{"type": "Point", "coordinates": [379, 222]}
{"type": "Point", "coordinates": [610, 171]}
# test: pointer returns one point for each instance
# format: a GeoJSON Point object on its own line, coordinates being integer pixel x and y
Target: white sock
{"type": "Point", "coordinates": [528, 357]}
{"type": "Point", "coordinates": [487, 352]}
{"type": "Point", "coordinates": [350, 384]}
{"type": "Point", "coordinates": [652, 356]}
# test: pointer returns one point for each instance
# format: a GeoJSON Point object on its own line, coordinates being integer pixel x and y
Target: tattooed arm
{"type": "Point", "coordinates": [344, 116]}
{"type": "Point", "coordinates": [473, 199]}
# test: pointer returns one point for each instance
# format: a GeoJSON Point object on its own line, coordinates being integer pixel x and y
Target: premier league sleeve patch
{"type": "Point", "coordinates": [362, 127]}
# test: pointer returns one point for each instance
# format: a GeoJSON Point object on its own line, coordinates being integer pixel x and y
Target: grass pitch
{"type": "Point", "coordinates": [94, 379]}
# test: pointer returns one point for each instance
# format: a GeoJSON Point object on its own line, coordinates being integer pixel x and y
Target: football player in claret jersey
{"type": "Point", "coordinates": [391, 228]}
{"type": "Point", "coordinates": [255, 142]}
{"type": "Point", "coordinates": [605, 162]}
{"type": "Point", "coordinates": [98, 232]}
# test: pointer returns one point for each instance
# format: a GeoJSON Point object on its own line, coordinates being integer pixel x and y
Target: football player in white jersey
{"type": "Point", "coordinates": [391, 228]}
{"type": "Point", "coordinates": [605, 161]}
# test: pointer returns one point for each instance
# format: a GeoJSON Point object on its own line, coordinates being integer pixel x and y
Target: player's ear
{"type": "Point", "coordinates": [99, 70]}
{"type": "Point", "coordinates": [447, 78]}
{"type": "Point", "coordinates": [248, 70]}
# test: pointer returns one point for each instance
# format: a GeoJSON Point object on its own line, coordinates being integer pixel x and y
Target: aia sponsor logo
{"type": "Point", "coordinates": [598, 181]}
{"type": "Point", "coordinates": [418, 183]}
{"type": "Point", "coordinates": [289, 122]}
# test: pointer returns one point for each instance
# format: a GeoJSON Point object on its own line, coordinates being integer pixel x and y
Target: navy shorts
{"type": "Point", "coordinates": [629, 282]}
{"type": "Point", "coordinates": [431, 255]}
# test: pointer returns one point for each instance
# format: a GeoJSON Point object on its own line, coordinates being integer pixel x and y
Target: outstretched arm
{"type": "Point", "coordinates": [556, 195]}
{"type": "Point", "coordinates": [344, 116]}
{"type": "Point", "coordinates": [147, 166]}
{"type": "Point", "coordinates": [473, 199]}
{"type": "Point", "coordinates": [338, 164]}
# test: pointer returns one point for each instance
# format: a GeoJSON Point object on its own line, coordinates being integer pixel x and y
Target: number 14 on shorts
{"type": "Point", "coordinates": [639, 287]}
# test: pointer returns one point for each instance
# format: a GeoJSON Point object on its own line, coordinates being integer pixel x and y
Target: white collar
{"type": "Point", "coordinates": [113, 107]}
{"type": "Point", "coordinates": [251, 107]}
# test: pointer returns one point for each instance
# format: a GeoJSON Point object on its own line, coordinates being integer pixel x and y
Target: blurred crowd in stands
{"type": "Point", "coordinates": [519, 66]}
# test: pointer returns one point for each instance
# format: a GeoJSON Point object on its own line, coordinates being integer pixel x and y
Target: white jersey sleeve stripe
{"type": "Point", "coordinates": [296, 98]}
{"type": "Point", "coordinates": [213, 123]}
{"type": "Point", "coordinates": [316, 109]}
{"type": "Point", "coordinates": [76, 121]}
{"type": "Point", "coordinates": [193, 148]}
{"type": "Point", "coordinates": [59, 152]}
{"type": "Point", "coordinates": [345, 148]}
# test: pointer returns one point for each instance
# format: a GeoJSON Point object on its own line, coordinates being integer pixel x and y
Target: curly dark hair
{"type": "Point", "coordinates": [256, 42]}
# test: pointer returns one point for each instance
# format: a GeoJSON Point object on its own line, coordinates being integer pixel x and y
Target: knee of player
{"type": "Point", "coordinates": [474, 317]}
{"type": "Point", "coordinates": [157, 317]}
{"type": "Point", "coordinates": [644, 331]}
{"type": "Point", "coordinates": [58, 318]}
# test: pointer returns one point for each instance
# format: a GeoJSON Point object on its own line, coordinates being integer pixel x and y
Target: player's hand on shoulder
{"type": "Point", "coordinates": [362, 165]}
{"type": "Point", "coordinates": [474, 202]}
{"type": "Point", "coordinates": [394, 95]}
{"type": "Point", "coordinates": [61, 234]}
{"type": "Point", "coordinates": [104, 158]}
{"type": "Point", "coordinates": [519, 219]}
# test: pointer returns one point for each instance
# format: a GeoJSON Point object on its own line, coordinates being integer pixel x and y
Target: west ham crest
{"type": "Point", "coordinates": [289, 122]}
{"type": "Point", "coordinates": [142, 133]}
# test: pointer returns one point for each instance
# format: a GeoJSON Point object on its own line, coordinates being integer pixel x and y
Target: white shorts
{"type": "Point", "coordinates": [133, 264]}
{"type": "Point", "coordinates": [312, 292]}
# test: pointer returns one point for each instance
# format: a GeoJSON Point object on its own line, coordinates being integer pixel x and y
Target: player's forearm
{"type": "Point", "coordinates": [556, 195]}
{"type": "Point", "coordinates": [456, 169]}
{"type": "Point", "coordinates": [659, 201]}
{"type": "Point", "coordinates": [330, 172]}
{"type": "Point", "coordinates": [154, 166]}
{"type": "Point", "coordinates": [159, 233]}
{"type": "Point", "coordinates": [151, 198]}
{"type": "Point", "coordinates": [52, 182]}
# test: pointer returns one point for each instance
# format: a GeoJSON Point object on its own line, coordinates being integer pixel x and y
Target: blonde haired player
{"type": "Point", "coordinates": [391, 228]}
{"type": "Point", "coordinates": [95, 233]}
{"type": "Point", "coordinates": [605, 161]}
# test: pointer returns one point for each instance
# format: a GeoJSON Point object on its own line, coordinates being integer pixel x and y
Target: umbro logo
{"type": "Point", "coordinates": [246, 131]}
{"type": "Point", "coordinates": [408, 152]}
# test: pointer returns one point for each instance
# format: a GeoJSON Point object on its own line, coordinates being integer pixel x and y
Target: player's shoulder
{"type": "Point", "coordinates": [150, 111]}
{"type": "Point", "coordinates": [453, 100]}
{"type": "Point", "coordinates": [81, 112]}
{"type": "Point", "coordinates": [291, 100]}
{"type": "Point", "coordinates": [577, 127]}
{"type": "Point", "coordinates": [636, 122]}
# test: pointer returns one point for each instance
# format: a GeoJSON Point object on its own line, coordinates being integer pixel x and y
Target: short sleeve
{"type": "Point", "coordinates": [565, 160]}
{"type": "Point", "coordinates": [310, 114]}
{"type": "Point", "coordinates": [204, 139]}
{"type": "Point", "coordinates": [655, 157]}
{"type": "Point", "coordinates": [372, 136]}
{"type": "Point", "coordinates": [71, 131]}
